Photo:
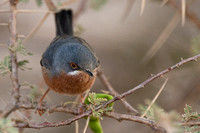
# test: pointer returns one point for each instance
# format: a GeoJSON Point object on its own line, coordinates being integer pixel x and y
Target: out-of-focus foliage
{"type": "Point", "coordinates": [195, 45]}
{"type": "Point", "coordinates": [6, 126]}
{"type": "Point", "coordinates": [97, 4]}
{"type": "Point", "coordinates": [19, 48]}
{"type": "Point", "coordinates": [79, 29]}
{"type": "Point", "coordinates": [38, 2]}
{"type": "Point", "coordinates": [167, 120]}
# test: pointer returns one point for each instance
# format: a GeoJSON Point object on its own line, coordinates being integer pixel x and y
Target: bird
{"type": "Point", "coordinates": [69, 65]}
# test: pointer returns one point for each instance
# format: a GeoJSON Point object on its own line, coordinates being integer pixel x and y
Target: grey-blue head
{"type": "Point", "coordinates": [69, 54]}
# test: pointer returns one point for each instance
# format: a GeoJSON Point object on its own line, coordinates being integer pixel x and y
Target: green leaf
{"type": "Point", "coordinates": [93, 100]}
{"type": "Point", "coordinates": [5, 66]}
{"type": "Point", "coordinates": [189, 115]}
{"type": "Point", "coordinates": [19, 48]}
{"type": "Point", "coordinates": [22, 65]}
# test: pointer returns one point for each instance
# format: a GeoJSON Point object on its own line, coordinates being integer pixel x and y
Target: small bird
{"type": "Point", "coordinates": [69, 65]}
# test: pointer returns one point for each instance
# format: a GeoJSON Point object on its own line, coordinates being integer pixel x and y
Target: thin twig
{"type": "Point", "coordinates": [107, 84]}
{"type": "Point", "coordinates": [35, 28]}
{"type": "Point", "coordinates": [67, 3]}
{"type": "Point", "coordinates": [86, 124]}
{"type": "Point", "coordinates": [162, 38]}
{"type": "Point", "coordinates": [33, 11]}
{"type": "Point", "coordinates": [183, 8]}
{"type": "Point", "coordinates": [21, 36]}
{"type": "Point", "coordinates": [153, 77]}
{"type": "Point", "coordinates": [155, 98]}
{"type": "Point", "coordinates": [50, 5]}
{"type": "Point", "coordinates": [4, 24]}
{"type": "Point", "coordinates": [191, 123]}
{"type": "Point", "coordinates": [5, 11]}
{"type": "Point", "coordinates": [49, 109]}
{"type": "Point", "coordinates": [137, 119]}
{"type": "Point", "coordinates": [13, 55]}
{"type": "Point", "coordinates": [3, 44]}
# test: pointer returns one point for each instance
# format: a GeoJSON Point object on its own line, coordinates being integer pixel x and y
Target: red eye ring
{"type": "Point", "coordinates": [73, 65]}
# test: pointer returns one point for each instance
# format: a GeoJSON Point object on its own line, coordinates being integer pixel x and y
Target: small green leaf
{"type": "Point", "coordinates": [22, 65]}
{"type": "Point", "coordinates": [5, 66]}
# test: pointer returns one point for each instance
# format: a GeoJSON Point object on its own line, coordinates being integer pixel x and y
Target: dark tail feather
{"type": "Point", "coordinates": [64, 22]}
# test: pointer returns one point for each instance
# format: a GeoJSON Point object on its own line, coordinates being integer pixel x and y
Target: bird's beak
{"type": "Point", "coordinates": [90, 73]}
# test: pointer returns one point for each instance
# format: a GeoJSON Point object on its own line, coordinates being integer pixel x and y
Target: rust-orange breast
{"type": "Point", "coordinates": [69, 84]}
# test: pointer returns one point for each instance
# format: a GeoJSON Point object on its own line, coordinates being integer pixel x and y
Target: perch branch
{"type": "Point", "coordinates": [119, 97]}
{"type": "Point", "coordinates": [138, 119]}
{"type": "Point", "coordinates": [153, 77]}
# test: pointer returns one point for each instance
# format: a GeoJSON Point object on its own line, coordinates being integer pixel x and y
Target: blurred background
{"type": "Point", "coordinates": [131, 46]}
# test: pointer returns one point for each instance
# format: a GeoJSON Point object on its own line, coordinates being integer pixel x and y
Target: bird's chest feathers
{"type": "Point", "coordinates": [73, 83]}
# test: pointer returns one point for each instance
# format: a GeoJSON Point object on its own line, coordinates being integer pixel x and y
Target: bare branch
{"type": "Point", "coordinates": [4, 24]}
{"type": "Point", "coordinates": [13, 55]}
{"type": "Point", "coordinates": [50, 5]}
{"type": "Point", "coordinates": [191, 123]}
{"type": "Point", "coordinates": [138, 119]}
{"type": "Point", "coordinates": [153, 77]}
{"type": "Point", "coordinates": [87, 113]}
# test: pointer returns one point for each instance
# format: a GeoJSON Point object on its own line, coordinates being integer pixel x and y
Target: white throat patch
{"type": "Point", "coordinates": [74, 72]}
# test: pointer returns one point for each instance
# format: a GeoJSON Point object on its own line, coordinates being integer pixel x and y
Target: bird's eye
{"type": "Point", "coordinates": [73, 65]}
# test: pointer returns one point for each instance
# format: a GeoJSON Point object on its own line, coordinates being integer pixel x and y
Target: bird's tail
{"type": "Point", "coordinates": [64, 24]}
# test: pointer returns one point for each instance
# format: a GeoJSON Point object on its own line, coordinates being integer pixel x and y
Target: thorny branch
{"type": "Point", "coordinates": [19, 105]}
{"type": "Point", "coordinates": [13, 56]}
{"type": "Point", "coordinates": [119, 97]}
